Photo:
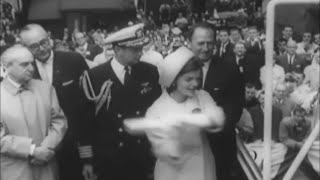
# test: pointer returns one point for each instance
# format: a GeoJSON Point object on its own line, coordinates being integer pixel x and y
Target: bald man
{"type": "Point", "coordinates": [63, 71]}
{"type": "Point", "coordinates": [32, 124]}
{"type": "Point", "coordinates": [292, 61]}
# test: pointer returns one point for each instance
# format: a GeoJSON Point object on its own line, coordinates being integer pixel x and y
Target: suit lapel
{"type": "Point", "coordinates": [36, 74]}
{"type": "Point", "coordinates": [285, 61]}
{"type": "Point", "coordinates": [56, 70]}
{"type": "Point", "coordinates": [294, 61]}
{"type": "Point", "coordinates": [209, 74]}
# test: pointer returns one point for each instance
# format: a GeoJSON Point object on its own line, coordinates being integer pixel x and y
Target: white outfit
{"type": "Point", "coordinates": [278, 75]}
{"type": "Point", "coordinates": [46, 69]}
{"type": "Point", "coordinates": [301, 50]}
{"type": "Point", "coordinates": [182, 153]}
{"type": "Point", "coordinates": [311, 73]}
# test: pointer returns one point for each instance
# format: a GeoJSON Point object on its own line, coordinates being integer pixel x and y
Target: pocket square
{"type": "Point", "coordinates": [67, 83]}
{"type": "Point", "coordinates": [216, 89]}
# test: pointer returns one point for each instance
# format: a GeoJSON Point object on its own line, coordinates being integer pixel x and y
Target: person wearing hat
{"type": "Point", "coordinates": [180, 146]}
{"type": "Point", "coordinates": [120, 88]}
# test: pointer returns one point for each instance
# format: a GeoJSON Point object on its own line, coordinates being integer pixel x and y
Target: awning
{"type": "Point", "coordinates": [51, 9]}
{"type": "Point", "coordinates": [96, 4]}
{"type": "Point", "coordinates": [44, 10]}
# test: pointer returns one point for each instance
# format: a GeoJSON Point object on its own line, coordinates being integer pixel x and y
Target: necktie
{"type": "Point", "coordinates": [221, 50]}
{"type": "Point", "coordinates": [290, 62]}
{"type": "Point", "coordinates": [126, 81]}
{"type": "Point", "coordinates": [291, 59]}
{"type": "Point", "coordinates": [29, 106]}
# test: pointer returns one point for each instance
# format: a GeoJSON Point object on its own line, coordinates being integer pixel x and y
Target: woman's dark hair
{"type": "Point", "coordinates": [192, 65]}
{"type": "Point", "coordinates": [298, 109]}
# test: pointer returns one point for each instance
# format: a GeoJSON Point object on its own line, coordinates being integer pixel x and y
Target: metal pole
{"type": "Point", "coordinates": [302, 153]}
{"type": "Point", "coordinates": [1, 30]}
{"type": "Point", "coordinates": [268, 89]}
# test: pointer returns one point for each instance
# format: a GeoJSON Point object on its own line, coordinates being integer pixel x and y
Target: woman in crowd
{"type": "Point", "coordinates": [187, 113]}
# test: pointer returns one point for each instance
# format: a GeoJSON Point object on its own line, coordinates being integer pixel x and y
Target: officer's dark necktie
{"type": "Point", "coordinates": [126, 81]}
{"type": "Point", "coordinates": [290, 62]}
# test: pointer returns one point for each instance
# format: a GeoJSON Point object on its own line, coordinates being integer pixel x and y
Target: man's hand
{"type": "Point", "coordinates": [37, 162]}
{"type": "Point", "coordinates": [43, 154]}
{"type": "Point", "coordinates": [88, 173]}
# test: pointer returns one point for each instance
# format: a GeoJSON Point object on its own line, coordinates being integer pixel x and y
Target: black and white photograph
{"type": "Point", "coordinates": [159, 89]}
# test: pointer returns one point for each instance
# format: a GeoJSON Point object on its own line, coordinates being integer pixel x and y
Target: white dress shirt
{"type": "Point", "coordinates": [46, 69]}
{"type": "Point", "coordinates": [238, 60]}
{"type": "Point", "coordinates": [205, 69]}
{"type": "Point", "coordinates": [14, 83]}
{"type": "Point", "coordinates": [290, 61]}
{"type": "Point", "coordinates": [85, 46]}
{"type": "Point", "coordinates": [223, 48]}
{"type": "Point", "coordinates": [118, 69]}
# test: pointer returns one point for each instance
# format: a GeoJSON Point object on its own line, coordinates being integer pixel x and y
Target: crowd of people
{"type": "Point", "coordinates": [197, 79]}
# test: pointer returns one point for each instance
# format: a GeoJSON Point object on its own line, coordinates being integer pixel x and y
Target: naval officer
{"type": "Point", "coordinates": [121, 88]}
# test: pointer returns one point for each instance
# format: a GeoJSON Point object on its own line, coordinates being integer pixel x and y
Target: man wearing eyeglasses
{"type": "Point", "coordinates": [62, 70]}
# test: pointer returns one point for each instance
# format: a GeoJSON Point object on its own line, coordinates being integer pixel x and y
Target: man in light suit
{"type": "Point", "coordinates": [225, 84]}
{"type": "Point", "coordinates": [291, 61]}
{"type": "Point", "coordinates": [32, 123]}
{"type": "Point", "coordinates": [63, 71]}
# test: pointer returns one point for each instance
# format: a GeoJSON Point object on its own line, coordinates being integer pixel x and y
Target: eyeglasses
{"type": "Point", "coordinates": [36, 46]}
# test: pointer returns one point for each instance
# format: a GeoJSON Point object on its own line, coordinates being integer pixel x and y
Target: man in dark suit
{"type": "Point", "coordinates": [257, 115]}
{"type": "Point", "coordinates": [288, 33]}
{"type": "Point", "coordinates": [90, 50]}
{"type": "Point", "coordinates": [224, 47]}
{"type": "Point", "coordinates": [62, 70]}
{"type": "Point", "coordinates": [291, 61]}
{"type": "Point", "coordinates": [247, 65]}
{"type": "Point", "coordinates": [282, 100]}
{"type": "Point", "coordinates": [250, 96]}
{"type": "Point", "coordinates": [121, 88]}
{"type": "Point", "coordinates": [253, 43]}
{"type": "Point", "coordinates": [280, 47]}
{"type": "Point", "coordinates": [224, 83]}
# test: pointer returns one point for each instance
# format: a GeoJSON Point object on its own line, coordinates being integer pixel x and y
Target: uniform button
{"type": "Point", "coordinates": [119, 116]}
{"type": "Point", "coordinates": [138, 112]}
{"type": "Point", "coordinates": [139, 141]}
{"type": "Point", "coordinates": [121, 144]}
{"type": "Point", "coordinates": [120, 130]}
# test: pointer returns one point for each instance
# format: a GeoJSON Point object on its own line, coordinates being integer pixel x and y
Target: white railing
{"type": "Point", "coordinates": [268, 94]}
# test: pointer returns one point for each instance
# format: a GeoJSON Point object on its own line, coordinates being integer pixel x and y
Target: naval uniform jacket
{"type": "Point", "coordinates": [114, 150]}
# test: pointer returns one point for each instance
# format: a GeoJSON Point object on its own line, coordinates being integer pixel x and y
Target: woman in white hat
{"type": "Point", "coordinates": [186, 113]}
